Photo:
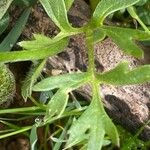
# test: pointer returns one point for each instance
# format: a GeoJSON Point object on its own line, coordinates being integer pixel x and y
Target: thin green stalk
{"type": "Point", "coordinates": [64, 34]}
{"type": "Point", "coordinates": [132, 12]}
{"type": "Point", "coordinates": [17, 110]}
{"type": "Point", "coordinates": [16, 132]}
{"type": "Point", "coordinates": [62, 135]}
{"type": "Point", "coordinates": [37, 104]}
{"type": "Point", "coordinates": [90, 47]}
{"type": "Point", "coordinates": [75, 112]}
{"type": "Point", "coordinates": [16, 119]}
{"type": "Point", "coordinates": [45, 136]}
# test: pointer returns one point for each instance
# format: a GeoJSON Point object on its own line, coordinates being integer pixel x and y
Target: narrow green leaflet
{"type": "Point", "coordinates": [4, 22]}
{"type": "Point", "coordinates": [17, 131]}
{"type": "Point", "coordinates": [92, 127]}
{"type": "Point", "coordinates": [4, 5]}
{"type": "Point", "coordinates": [56, 10]}
{"type": "Point", "coordinates": [62, 137]}
{"type": "Point", "coordinates": [40, 42]}
{"type": "Point", "coordinates": [61, 81]}
{"type": "Point", "coordinates": [122, 75]}
{"type": "Point", "coordinates": [57, 104]}
{"type": "Point", "coordinates": [106, 7]}
{"type": "Point", "coordinates": [33, 137]}
{"type": "Point", "coordinates": [16, 31]}
{"type": "Point", "coordinates": [126, 38]}
{"type": "Point", "coordinates": [35, 53]}
{"type": "Point", "coordinates": [34, 73]}
{"type": "Point", "coordinates": [26, 3]}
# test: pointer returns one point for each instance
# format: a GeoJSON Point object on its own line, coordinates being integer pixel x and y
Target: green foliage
{"type": "Point", "coordinates": [4, 5]}
{"type": "Point", "coordinates": [68, 4]}
{"type": "Point", "coordinates": [61, 81]}
{"type": "Point", "coordinates": [25, 3]}
{"type": "Point", "coordinates": [92, 128]}
{"type": "Point", "coordinates": [33, 54]}
{"type": "Point", "coordinates": [31, 78]}
{"type": "Point", "coordinates": [4, 22]}
{"type": "Point", "coordinates": [33, 137]}
{"type": "Point", "coordinates": [141, 2]}
{"type": "Point", "coordinates": [106, 7]}
{"type": "Point", "coordinates": [122, 75]}
{"type": "Point", "coordinates": [56, 10]}
{"type": "Point", "coordinates": [93, 4]}
{"type": "Point", "coordinates": [129, 36]}
{"type": "Point", "coordinates": [12, 37]}
{"type": "Point", "coordinates": [143, 11]}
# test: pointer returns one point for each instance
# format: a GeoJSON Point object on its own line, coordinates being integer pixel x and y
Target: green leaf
{"type": "Point", "coordinates": [61, 81]}
{"type": "Point", "coordinates": [26, 3]}
{"type": "Point", "coordinates": [98, 35]}
{"type": "Point", "coordinates": [18, 131]}
{"type": "Point", "coordinates": [36, 53]}
{"type": "Point", "coordinates": [141, 2]}
{"type": "Point", "coordinates": [68, 4]}
{"type": "Point", "coordinates": [16, 31]}
{"type": "Point", "coordinates": [31, 78]}
{"type": "Point", "coordinates": [126, 38]}
{"type": "Point", "coordinates": [62, 137]}
{"type": "Point", "coordinates": [40, 41]}
{"type": "Point", "coordinates": [57, 104]}
{"type": "Point", "coordinates": [4, 5]}
{"type": "Point", "coordinates": [93, 4]}
{"type": "Point", "coordinates": [56, 10]}
{"type": "Point", "coordinates": [33, 137]}
{"type": "Point", "coordinates": [106, 7]}
{"type": "Point", "coordinates": [4, 22]}
{"type": "Point", "coordinates": [122, 75]}
{"type": "Point", "coordinates": [92, 127]}
{"type": "Point", "coordinates": [144, 14]}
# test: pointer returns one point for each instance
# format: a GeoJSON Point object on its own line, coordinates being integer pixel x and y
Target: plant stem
{"type": "Point", "coordinates": [16, 110]}
{"type": "Point", "coordinates": [90, 46]}
{"type": "Point", "coordinates": [16, 132]}
{"type": "Point", "coordinates": [132, 12]}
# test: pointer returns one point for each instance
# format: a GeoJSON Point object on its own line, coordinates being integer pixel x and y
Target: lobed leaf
{"type": "Point", "coordinates": [61, 81]}
{"type": "Point", "coordinates": [92, 127]}
{"type": "Point", "coordinates": [122, 75]}
{"type": "Point", "coordinates": [126, 38]}
{"type": "Point", "coordinates": [56, 10]}
{"type": "Point", "coordinates": [106, 7]}
{"type": "Point", "coordinates": [36, 53]}
{"type": "Point", "coordinates": [57, 104]}
{"type": "Point", "coordinates": [40, 41]}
